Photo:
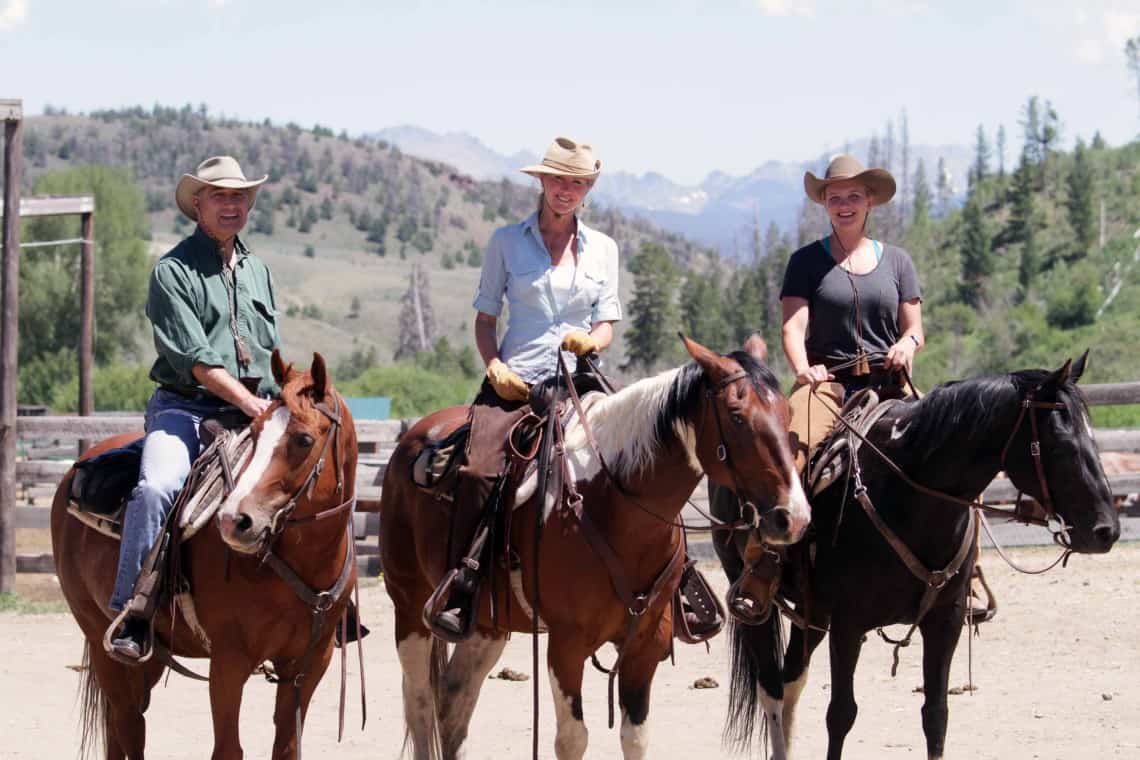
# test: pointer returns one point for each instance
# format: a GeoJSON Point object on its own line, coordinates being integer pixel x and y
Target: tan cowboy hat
{"type": "Point", "coordinates": [880, 184]}
{"type": "Point", "coordinates": [218, 171]}
{"type": "Point", "coordinates": [567, 158]}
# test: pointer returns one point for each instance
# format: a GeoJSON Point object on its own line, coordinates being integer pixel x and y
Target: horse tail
{"type": "Point", "coordinates": [92, 711]}
{"type": "Point", "coordinates": [757, 663]}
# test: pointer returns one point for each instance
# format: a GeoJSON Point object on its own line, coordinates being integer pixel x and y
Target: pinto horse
{"type": "Point", "coordinates": [269, 583]}
{"type": "Point", "coordinates": [850, 578]}
{"type": "Point", "coordinates": [656, 437]}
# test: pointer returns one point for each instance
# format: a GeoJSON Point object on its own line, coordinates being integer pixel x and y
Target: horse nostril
{"type": "Point", "coordinates": [1106, 535]}
{"type": "Point", "coordinates": [779, 521]}
{"type": "Point", "coordinates": [243, 523]}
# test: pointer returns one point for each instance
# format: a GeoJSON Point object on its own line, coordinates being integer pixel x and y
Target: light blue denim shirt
{"type": "Point", "coordinates": [517, 265]}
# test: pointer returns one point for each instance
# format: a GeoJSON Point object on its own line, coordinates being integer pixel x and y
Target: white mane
{"type": "Point", "coordinates": [625, 427]}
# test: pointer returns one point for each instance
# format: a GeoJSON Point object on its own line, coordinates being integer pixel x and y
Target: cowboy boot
{"type": "Point", "coordinates": [453, 619]}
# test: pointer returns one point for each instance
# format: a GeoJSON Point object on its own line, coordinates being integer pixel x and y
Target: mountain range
{"type": "Point", "coordinates": [717, 212]}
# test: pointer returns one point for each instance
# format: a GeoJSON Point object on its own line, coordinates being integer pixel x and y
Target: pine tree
{"type": "Point", "coordinates": [1132, 54]}
{"type": "Point", "coordinates": [1082, 216]}
{"type": "Point", "coordinates": [905, 190]}
{"type": "Point", "coordinates": [1022, 216]}
{"type": "Point", "coordinates": [703, 309]}
{"type": "Point", "coordinates": [977, 254]}
{"type": "Point", "coordinates": [1001, 150]}
{"type": "Point", "coordinates": [981, 168]}
{"type": "Point", "coordinates": [417, 319]}
{"type": "Point", "coordinates": [654, 319]}
{"type": "Point", "coordinates": [944, 188]}
{"type": "Point", "coordinates": [921, 214]}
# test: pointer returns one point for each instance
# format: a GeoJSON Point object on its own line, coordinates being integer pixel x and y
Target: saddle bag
{"type": "Point", "coordinates": [437, 466]}
{"type": "Point", "coordinates": [103, 483]}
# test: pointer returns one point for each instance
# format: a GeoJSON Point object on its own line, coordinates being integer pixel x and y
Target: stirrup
{"type": "Point", "coordinates": [437, 605]}
{"type": "Point", "coordinates": [697, 612]}
{"type": "Point", "coordinates": [146, 651]}
{"type": "Point", "coordinates": [976, 615]}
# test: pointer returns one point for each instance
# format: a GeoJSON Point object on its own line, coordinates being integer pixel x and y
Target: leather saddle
{"type": "Point", "coordinates": [102, 484]}
{"type": "Point", "coordinates": [833, 457]}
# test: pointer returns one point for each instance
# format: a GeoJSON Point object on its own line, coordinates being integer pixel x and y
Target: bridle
{"type": "Point", "coordinates": [283, 516]}
{"type": "Point", "coordinates": [320, 603]}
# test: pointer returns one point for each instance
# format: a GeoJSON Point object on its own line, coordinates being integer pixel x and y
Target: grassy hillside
{"type": "Point", "coordinates": [340, 222]}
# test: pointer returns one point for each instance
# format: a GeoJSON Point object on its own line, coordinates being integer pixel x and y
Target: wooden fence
{"type": "Point", "coordinates": [37, 476]}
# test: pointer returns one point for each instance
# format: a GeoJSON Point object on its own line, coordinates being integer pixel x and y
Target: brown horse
{"type": "Point", "coordinates": [257, 579]}
{"type": "Point", "coordinates": [723, 416]}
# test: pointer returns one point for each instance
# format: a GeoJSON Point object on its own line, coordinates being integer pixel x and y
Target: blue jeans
{"type": "Point", "coordinates": [172, 444]}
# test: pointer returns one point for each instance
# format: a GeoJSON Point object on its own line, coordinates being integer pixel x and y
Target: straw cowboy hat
{"type": "Point", "coordinates": [880, 184]}
{"type": "Point", "coordinates": [218, 171]}
{"type": "Point", "coordinates": [566, 158]}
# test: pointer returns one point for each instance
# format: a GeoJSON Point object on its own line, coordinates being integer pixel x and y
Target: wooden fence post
{"type": "Point", "coordinates": [12, 112]}
{"type": "Point", "coordinates": [87, 317]}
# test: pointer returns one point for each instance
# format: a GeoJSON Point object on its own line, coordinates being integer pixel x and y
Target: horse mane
{"type": "Point", "coordinates": [971, 408]}
{"type": "Point", "coordinates": [636, 422]}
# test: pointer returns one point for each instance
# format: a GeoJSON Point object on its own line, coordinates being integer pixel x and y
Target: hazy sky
{"type": "Point", "coordinates": [677, 86]}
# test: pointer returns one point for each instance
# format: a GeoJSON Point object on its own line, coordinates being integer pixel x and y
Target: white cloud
{"type": "Point", "coordinates": [786, 7]}
{"type": "Point", "coordinates": [12, 14]}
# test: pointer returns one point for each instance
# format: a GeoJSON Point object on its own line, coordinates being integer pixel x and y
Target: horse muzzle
{"type": "Point", "coordinates": [787, 522]}
{"type": "Point", "coordinates": [243, 532]}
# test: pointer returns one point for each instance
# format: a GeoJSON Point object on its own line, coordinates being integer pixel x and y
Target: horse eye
{"type": "Point", "coordinates": [737, 419]}
{"type": "Point", "coordinates": [304, 440]}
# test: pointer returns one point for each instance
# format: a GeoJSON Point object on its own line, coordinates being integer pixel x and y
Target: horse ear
{"type": "Point", "coordinates": [702, 355]}
{"type": "Point", "coordinates": [1059, 377]}
{"type": "Point", "coordinates": [1079, 366]}
{"type": "Point", "coordinates": [757, 347]}
{"type": "Point", "coordinates": [320, 377]}
{"type": "Point", "coordinates": [280, 371]}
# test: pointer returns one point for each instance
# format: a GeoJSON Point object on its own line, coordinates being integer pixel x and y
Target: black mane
{"type": "Point", "coordinates": [971, 409]}
{"type": "Point", "coordinates": [685, 394]}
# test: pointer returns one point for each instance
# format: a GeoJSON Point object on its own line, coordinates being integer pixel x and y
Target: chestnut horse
{"type": "Point", "coordinates": [723, 416]}
{"type": "Point", "coordinates": [852, 576]}
{"type": "Point", "coordinates": [248, 576]}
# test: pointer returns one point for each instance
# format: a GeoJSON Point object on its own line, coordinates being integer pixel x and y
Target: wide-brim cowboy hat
{"type": "Point", "coordinates": [880, 184]}
{"type": "Point", "coordinates": [218, 171]}
{"type": "Point", "coordinates": [568, 159]}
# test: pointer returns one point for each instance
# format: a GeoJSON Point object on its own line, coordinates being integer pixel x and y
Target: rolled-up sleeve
{"type": "Point", "coordinates": [608, 307]}
{"type": "Point", "coordinates": [178, 334]}
{"type": "Point", "coordinates": [493, 280]}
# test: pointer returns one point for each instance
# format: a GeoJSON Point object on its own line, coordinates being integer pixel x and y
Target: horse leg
{"type": "Point", "coordinates": [289, 699]}
{"type": "Point", "coordinates": [635, 680]}
{"type": "Point", "coordinates": [465, 675]}
{"type": "Point", "coordinates": [797, 659]}
{"type": "Point", "coordinates": [229, 670]}
{"type": "Point", "coordinates": [939, 640]}
{"type": "Point", "coordinates": [842, 709]}
{"type": "Point", "coordinates": [756, 682]}
{"type": "Point", "coordinates": [422, 659]}
{"type": "Point", "coordinates": [125, 696]}
{"type": "Point", "coordinates": [565, 663]}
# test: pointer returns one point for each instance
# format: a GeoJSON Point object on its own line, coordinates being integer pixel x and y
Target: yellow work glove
{"type": "Point", "coordinates": [580, 343]}
{"type": "Point", "coordinates": [506, 383]}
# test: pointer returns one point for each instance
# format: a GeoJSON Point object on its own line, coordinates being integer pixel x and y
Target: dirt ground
{"type": "Point", "coordinates": [1056, 676]}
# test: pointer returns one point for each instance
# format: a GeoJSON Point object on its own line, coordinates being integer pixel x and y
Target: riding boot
{"type": "Point", "coordinates": [450, 612]}
{"type": "Point", "coordinates": [750, 597]}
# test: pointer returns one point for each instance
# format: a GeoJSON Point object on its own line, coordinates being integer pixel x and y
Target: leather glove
{"type": "Point", "coordinates": [506, 383]}
{"type": "Point", "coordinates": [579, 343]}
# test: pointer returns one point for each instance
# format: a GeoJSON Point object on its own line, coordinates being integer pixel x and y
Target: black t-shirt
{"type": "Point", "coordinates": [829, 290]}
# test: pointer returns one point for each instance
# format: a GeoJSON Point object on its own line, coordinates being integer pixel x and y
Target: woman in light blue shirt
{"type": "Point", "coordinates": [560, 281]}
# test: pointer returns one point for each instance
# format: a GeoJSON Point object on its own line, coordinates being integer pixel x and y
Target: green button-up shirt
{"type": "Point", "coordinates": [190, 303]}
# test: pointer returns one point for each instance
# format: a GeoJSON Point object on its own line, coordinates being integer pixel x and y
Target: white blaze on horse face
{"type": "Point", "coordinates": [271, 432]}
{"type": "Point", "coordinates": [571, 735]}
{"type": "Point", "coordinates": [799, 510]}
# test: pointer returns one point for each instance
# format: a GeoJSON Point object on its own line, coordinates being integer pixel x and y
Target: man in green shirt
{"type": "Point", "coordinates": [214, 316]}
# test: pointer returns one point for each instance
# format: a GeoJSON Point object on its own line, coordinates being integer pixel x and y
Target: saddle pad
{"type": "Point", "coordinates": [200, 497]}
